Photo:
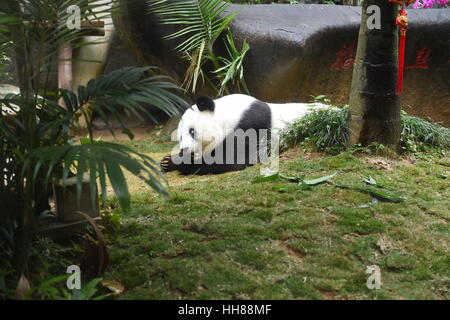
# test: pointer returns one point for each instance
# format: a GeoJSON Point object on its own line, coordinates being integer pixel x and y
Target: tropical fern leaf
{"type": "Point", "coordinates": [98, 159]}
{"type": "Point", "coordinates": [232, 70]}
{"type": "Point", "coordinates": [128, 88]}
{"type": "Point", "coordinates": [35, 146]}
{"type": "Point", "coordinates": [201, 22]}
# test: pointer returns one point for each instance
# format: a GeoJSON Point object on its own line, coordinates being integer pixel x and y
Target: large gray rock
{"type": "Point", "coordinates": [299, 51]}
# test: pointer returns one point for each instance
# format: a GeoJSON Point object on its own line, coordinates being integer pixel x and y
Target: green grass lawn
{"type": "Point", "coordinates": [222, 237]}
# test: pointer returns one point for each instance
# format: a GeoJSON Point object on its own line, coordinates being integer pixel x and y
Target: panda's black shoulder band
{"type": "Point", "coordinates": [205, 104]}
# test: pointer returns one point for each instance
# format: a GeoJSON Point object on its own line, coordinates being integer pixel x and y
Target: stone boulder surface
{"type": "Point", "coordinates": [299, 51]}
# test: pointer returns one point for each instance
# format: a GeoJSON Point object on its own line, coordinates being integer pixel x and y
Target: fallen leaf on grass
{"type": "Point", "coordinates": [280, 188]}
{"type": "Point", "coordinates": [268, 178]}
{"type": "Point", "coordinates": [376, 193]}
{"type": "Point", "coordinates": [302, 184]}
{"type": "Point", "coordinates": [22, 287]}
{"type": "Point", "coordinates": [370, 180]}
{"type": "Point", "coordinates": [319, 180]}
{"type": "Point", "coordinates": [291, 178]}
{"type": "Point", "coordinates": [115, 286]}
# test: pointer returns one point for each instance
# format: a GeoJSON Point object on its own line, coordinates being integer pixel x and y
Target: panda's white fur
{"type": "Point", "coordinates": [217, 130]}
{"type": "Point", "coordinates": [211, 127]}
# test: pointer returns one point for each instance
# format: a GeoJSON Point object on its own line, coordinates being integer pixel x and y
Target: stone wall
{"type": "Point", "coordinates": [299, 51]}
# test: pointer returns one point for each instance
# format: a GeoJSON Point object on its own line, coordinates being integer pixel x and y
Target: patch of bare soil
{"type": "Point", "coordinates": [407, 162]}
{"type": "Point", "coordinates": [381, 163]}
{"type": "Point", "coordinates": [289, 251]}
{"type": "Point", "coordinates": [312, 155]}
{"type": "Point", "coordinates": [290, 153]}
{"type": "Point", "coordinates": [328, 295]}
{"type": "Point", "coordinates": [141, 133]}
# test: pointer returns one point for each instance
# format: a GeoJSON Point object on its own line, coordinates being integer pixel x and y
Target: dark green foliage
{"type": "Point", "coordinates": [326, 130]}
{"type": "Point", "coordinates": [4, 58]}
{"type": "Point", "coordinates": [419, 134]}
{"type": "Point", "coordinates": [201, 23]}
{"type": "Point", "coordinates": [36, 148]}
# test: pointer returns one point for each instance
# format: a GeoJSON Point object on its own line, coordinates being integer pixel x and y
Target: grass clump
{"type": "Point", "coordinates": [419, 135]}
{"type": "Point", "coordinates": [325, 130]}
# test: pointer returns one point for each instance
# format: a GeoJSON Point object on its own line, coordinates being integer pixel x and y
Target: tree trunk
{"type": "Point", "coordinates": [374, 104]}
{"type": "Point", "coordinates": [24, 68]}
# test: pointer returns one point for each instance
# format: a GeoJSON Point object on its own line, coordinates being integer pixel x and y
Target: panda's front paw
{"type": "Point", "coordinates": [167, 164]}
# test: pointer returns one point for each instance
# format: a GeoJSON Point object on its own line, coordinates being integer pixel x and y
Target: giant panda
{"type": "Point", "coordinates": [236, 124]}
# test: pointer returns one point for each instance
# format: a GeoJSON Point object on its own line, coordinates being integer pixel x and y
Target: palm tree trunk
{"type": "Point", "coordinates": [374, 104]}
{"type": "Point", "coordinates": [24, 70]}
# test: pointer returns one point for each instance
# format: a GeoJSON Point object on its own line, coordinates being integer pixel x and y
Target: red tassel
{"type": "Point", "coordinates": [401, 59]}
{"type": "Point", "coordinates": [402, 22]}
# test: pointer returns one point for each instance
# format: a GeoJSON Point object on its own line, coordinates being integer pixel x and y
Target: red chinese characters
{"type": "Point", "coordinates": [345, 58]}
{"type": "Point", "coordinates": [421, 61]}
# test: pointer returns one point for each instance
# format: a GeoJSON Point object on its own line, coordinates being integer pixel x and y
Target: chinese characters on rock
{"type": "Point", "coordinates": [421, 59]}
{"type": "Point", "coordinates": [345, 58]}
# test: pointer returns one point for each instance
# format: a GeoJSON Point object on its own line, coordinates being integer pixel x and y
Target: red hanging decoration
{"type": "Point", "coordinates": [402, 22]}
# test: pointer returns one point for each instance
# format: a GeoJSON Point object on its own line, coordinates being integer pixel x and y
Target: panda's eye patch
{"type": "Point", "coordinates": [192, 133]}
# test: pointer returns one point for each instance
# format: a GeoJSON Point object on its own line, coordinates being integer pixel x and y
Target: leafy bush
{"type": "Point", "coordinates": [326, 130]}
{"type": "Point", "coordinates": [419, 134]}
{"type": "Point", "coordinates": [4, 58]}
{"type": "Point", "coordinates": [202, 22]}
{"type": "Point", "coordinates": [36, 147]}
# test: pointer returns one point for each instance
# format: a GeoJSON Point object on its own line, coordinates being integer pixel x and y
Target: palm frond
{"type": "Point", "coordinates": [233, 69]}
{"type": "Point", "coordinates": [44, 25]}
{"type": "Point", "coordinates": [194, 70]}
{"type": "Point", "coordinates": [128, 88]}
{"type": "Point", "coordinates": [35, 146]}
{"type": "Point", "coordinates": [201, 21]}
{"type": "Point", "coordinates": [100, 160]}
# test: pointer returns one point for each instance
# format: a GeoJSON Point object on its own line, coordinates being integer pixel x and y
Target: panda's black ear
{"type": "Point", "coordinates": [205, 104]}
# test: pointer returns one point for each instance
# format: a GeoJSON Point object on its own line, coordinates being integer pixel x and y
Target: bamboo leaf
{"type": "Point", "coordinates": [100, 159]}
{"type": "Point", "coordinates": [370, 180]}
{"type": "Point", "coordinates": [313, 182]}
{"type": "Point", "coordinates": [272, 177]}
{"type": "Point", "coordinates": [376, 192]}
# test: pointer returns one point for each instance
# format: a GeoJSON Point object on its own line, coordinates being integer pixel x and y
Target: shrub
{"type": "Point", "coordinates": [419, 134]}
{"type": "Point", "coordinates": [326, 130]}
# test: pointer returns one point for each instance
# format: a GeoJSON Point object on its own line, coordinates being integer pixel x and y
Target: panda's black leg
{"type": "Point", "coordinates": [167, 164]}
{"type": "Point", "coordinates": [202, 168]}
{"type": "Point", "coordinates": [186, 164]}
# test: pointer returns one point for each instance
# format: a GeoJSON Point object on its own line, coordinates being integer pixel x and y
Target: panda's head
{"type": "Point", "coordinates": [198, 130]}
